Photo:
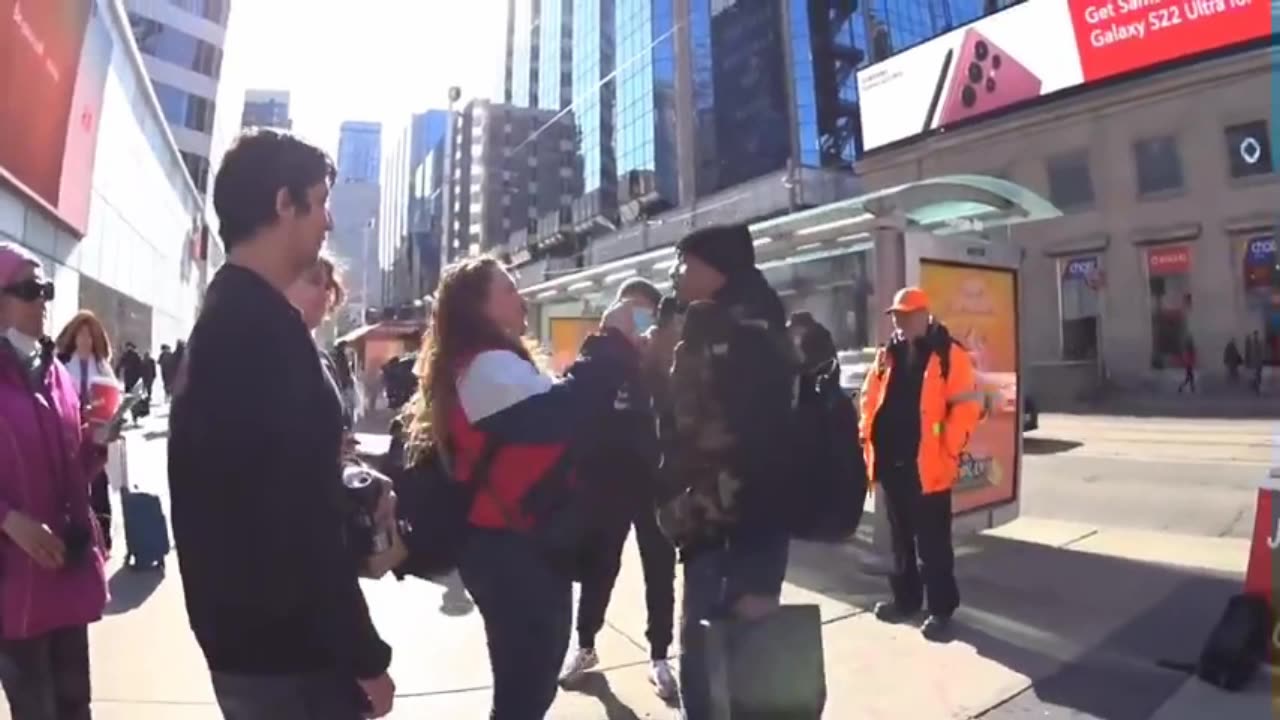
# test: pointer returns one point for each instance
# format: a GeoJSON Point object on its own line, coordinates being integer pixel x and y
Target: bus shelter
{"type": "Point", "coordinates": [951, 235]}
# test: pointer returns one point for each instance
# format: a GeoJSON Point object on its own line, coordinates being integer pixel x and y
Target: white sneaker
{"type": "Point", "coordinates": [663, 679]}
{"type": "Point", "coordinates": [577, 665]}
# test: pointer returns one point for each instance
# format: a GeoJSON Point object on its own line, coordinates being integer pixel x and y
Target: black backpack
{"type": "Point", "coordinates": [1237, 644]}
{"type": "Point", "coordinates": [830, 479]}
{"type": "Point", "coordinates": [432, 507]}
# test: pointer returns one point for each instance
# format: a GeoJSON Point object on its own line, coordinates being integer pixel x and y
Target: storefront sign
{"type": "Point", "coordinates": [1174, 260]}
{"type": "Point", "coordinates": [1262, 250]}
{"type": "Point", "coordinates": [979, 306]}
{"type": "Point", "coordinates": [1080, 268]}
{"type": "Point", "coordinates": [567, 336]}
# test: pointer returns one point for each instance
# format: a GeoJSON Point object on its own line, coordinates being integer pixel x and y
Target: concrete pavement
{"type": "Point", "coordinates": [1060, 619]}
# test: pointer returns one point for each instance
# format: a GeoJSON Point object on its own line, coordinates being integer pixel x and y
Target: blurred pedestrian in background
{"type": "Point", "coordinates": [85, 349]}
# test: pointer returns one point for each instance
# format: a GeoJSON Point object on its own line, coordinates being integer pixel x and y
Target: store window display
{"type": "Point", "coordinates": [1079, 296]}
{"type": "Point", "coordinates": [1262, 293]}
{"type": "Point", "coordinates": [1169, 282]}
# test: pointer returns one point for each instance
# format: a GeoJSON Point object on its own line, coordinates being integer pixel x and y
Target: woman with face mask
{"type": "Point", "coordinates": [52, 583]}
{"type": "Point", "coordinates": [85, 350]}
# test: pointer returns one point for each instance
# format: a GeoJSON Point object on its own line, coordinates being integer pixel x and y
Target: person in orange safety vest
{"type": "Point", "coordinates": [919, 405]}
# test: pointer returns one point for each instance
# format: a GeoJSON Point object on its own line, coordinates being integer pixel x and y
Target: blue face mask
{"type": "Point", "coordinates": [642, 318]}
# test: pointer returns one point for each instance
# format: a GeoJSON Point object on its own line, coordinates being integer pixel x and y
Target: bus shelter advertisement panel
{"type": "Point", "coordinates": [1039, 48]}
{"type": "Point", "coordinates": [979, 306]}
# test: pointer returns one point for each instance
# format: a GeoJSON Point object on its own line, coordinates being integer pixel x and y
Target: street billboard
{"type": "Point", "coordinates": [54, 58]}
{"type": "Point", "coordinates": [979, 306]}
{"type": "Point", "coordinates": [1036, 49]}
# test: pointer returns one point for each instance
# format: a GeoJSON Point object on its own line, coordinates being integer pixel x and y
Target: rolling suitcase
{"type": "Point", "coordinates": [146, 532]}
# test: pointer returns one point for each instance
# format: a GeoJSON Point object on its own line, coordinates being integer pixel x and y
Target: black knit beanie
{"type": "Point", "coordinates": [727, 248]}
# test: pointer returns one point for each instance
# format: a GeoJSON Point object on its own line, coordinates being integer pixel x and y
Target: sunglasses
{"type": "Point", "coordinates": [30, 290]}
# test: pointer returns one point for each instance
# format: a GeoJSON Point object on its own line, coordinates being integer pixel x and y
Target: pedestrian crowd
{"type": "Point", "coordinates": [708, 422]}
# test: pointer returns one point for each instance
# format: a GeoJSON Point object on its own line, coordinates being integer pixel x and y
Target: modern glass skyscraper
{"type": "Point", "coordinates": [645, 115]}
{"type": "Point", "coordinates": [740, 76]}
{"type": "Point", "coordinates": [359, 152]}
{"type": "Point", "coordinates": [593, 107]}
{"type": "Point", "coordinates": [524, 59]}
{"type": "Point", "coordinates": [555, 59]}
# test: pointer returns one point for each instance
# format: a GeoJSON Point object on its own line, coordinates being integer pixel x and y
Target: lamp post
{"type": "Point", "coordinates": [446, 239]}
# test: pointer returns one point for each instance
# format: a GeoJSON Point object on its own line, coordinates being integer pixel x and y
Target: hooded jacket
{"type": "Point", "coordinates": [47, 469]}
{"type": "Point", "coordinates": [733, 384]}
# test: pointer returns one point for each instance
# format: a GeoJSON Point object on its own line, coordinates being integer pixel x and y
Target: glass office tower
{"type": "Point", "coordinates": [524, 59]}
{"type": "Point", "coordinates": [595, 93]}
{"type": "Point", "coordinates": [645, 115]}
{"type": "Point", "coordinates": [555, 60]}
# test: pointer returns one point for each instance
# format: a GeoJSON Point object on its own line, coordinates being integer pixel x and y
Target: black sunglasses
{"type": "Point", "coordinates": [30, 290]}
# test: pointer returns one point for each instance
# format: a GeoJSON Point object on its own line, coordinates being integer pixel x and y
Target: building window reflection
{"type": "Point", "coordinates": [184, 109]}
{"type": "Point", "coordinates": [172, 45]}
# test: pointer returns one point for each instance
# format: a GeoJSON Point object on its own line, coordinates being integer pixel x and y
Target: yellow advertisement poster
{"type": "Point", "coordinates": [567, 335]}
{"type": "Point", "coordinates": [979, 305]}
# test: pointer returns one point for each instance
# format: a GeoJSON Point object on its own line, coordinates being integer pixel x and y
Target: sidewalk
{"type": "Point", "coordinates": [1059, 620]}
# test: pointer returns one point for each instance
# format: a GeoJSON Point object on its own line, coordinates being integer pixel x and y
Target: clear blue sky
{"type": "Point", "coordinates": [366, 59]}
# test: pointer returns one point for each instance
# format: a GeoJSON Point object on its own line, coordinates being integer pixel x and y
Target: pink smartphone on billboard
{"type": "Point", "coordinates": [985, 79]}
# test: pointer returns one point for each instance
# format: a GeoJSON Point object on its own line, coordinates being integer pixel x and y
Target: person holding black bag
{"type": "Point", "coordinates": [492, 418]}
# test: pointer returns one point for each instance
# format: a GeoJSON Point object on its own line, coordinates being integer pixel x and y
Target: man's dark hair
{"type": "Point", "coordinates": [640, 288]}
{"type": "Point", "coordinates": [257, 166]}
{"type": "Point", "coordinates": [668, 309]}
{"type": "Point", "coordinates": [801, 319]}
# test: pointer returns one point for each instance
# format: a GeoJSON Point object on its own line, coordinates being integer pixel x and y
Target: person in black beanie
{"type": "Point", "coordinates": [724, 513]}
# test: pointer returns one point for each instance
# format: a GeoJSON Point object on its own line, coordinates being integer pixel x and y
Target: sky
{"type": "Point", "coordinates": [365, 59]}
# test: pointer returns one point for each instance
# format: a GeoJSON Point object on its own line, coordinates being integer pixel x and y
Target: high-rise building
{"type": "Point", "coordinates": [645, 111]}
{"type": "Point", "coordinates": [359, 152]}
{"type": "Point", "coordinates": [555, 59]}
{"type": "Point", "coordinates": [594, 99]}
{"type": "Point", "coordinates": [266, 109]}
{"type": "Point", "coordinates": [182, 48]}
{"type": "Point", "coordinates": [407, 254]}
{"type": "Point", "coordinates": [509, 176]}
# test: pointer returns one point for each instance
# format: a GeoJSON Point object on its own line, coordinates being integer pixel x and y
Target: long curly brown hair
{"type": "Point", "coordinates": [459, 330]}
{"type": "Point", "coordinates": [66, 342]}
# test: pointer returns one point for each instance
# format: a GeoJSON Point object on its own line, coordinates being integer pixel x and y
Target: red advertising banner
{"type": "Point", "coordinates": [1174, 260]}
{"type": "Point", "coordinates": [1125, 35]}
{"type": "Point", "coordinates": [1036, 49]}
{"type": "Point", "coordinates": [54, 57]}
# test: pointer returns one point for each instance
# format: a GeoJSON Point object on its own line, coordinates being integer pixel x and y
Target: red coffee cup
{"type": "Point", "coordinates": [105, 395]}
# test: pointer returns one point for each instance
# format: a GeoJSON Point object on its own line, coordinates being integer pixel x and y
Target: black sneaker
{"type": "Point", "coordinates": [936, 628]}
{"type": "Point", "coordinates": [889, 612]}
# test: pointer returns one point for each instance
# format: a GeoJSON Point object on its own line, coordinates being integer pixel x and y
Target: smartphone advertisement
{"type": "Point", "coordinates": [1036, 49]}
{"type": "Point", "coordinates": [979, 306]}
{"type": "Point", "coordinates": [49, 104]}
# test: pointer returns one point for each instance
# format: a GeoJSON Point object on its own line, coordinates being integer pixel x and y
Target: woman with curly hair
{"type": "Point", "coordinates": [84, 348]}
{"type": "Point", "coordinates": [505, 427]}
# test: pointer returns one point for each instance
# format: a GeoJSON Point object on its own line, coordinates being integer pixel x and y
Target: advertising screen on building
{"type": "Point", "coordinates": [1039, 48]}
{"type": "Point", "coordinates": [979, 305]}
{"type": "Point", "coordinates": [53, 62]}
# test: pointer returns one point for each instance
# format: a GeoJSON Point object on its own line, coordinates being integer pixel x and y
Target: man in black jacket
{"type": "Point", "coordinates": [620, 466]}
{"type": "Point", "coordinates": [256, 434]}
{"type": "Point", "coordinates": [732, 385]}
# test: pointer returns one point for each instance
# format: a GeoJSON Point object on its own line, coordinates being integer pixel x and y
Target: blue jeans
{"type": "Point", "coordinates": [713, 582]}
{"type": "Point", "coordinates": [527, 606]}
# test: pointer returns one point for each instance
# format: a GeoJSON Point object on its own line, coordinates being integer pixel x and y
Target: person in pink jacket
{"type": "Point", "coordinates": [52, 583]}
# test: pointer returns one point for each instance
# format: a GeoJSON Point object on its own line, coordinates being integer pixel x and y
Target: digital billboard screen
{"type": "Point", "coordinates": [1038, 48]}
{"type": "Point", "coordinates": [54, 58]}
